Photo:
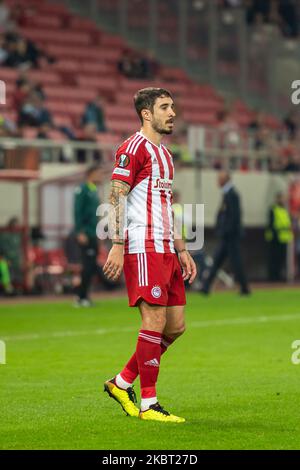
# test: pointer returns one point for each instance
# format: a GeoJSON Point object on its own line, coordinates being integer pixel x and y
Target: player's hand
{"type": "Point", "coordinates": [114, 263]}
{"type": "Point", "coordinates": [188, 266]}
{"type": "Point", "coordinates": [82, 239]}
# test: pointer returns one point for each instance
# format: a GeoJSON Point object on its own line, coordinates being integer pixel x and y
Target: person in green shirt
{"type": "Point", "coordinates": [86, 202]}
{"type": "Point", "coordinates": [5, 280]}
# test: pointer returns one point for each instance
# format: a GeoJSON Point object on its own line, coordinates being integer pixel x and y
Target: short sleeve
{"type": "Point", "coordinates": [125, 168]}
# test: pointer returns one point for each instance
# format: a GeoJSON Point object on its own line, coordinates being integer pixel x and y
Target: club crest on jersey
{"type": "Point", "coordinates": [123, 161]}
{"type": "Point", "coordinates": [156, 292]}
{"type": "Point", "coordinates": [160, 183]}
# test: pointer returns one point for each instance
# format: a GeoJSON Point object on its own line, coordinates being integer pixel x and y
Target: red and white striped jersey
{"type": "Point", "coordinates": [149, 171]}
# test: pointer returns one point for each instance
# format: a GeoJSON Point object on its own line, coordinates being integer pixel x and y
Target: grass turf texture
{"type": "Point", "coordinates": [233, 380]}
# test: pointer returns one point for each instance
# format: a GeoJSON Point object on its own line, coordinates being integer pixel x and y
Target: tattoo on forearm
{"type": "Point", "coordinates": [117, 198]}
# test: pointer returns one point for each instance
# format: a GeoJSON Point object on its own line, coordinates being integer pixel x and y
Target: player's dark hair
{"type": "Point", "coordinates": [146, 97]}
{"type": "Point", "coordinates": [92, 168]}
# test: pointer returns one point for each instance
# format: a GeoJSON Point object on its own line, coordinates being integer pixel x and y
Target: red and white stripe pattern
{"type": "Point", "coordinates": [142, 269]}
{"type": "Point", "coordinates": [150, 338]}
{"type": "Point", "coordinates": [134, 143]}
{"type": "Point", "coordinates": [150, 174]}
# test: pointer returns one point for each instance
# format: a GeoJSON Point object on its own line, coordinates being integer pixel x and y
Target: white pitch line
{"type": "Point", "coordinates": [200, 324]}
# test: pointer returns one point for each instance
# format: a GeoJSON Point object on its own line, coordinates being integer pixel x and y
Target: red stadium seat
{"type": "Point", "coordinates": [57, 36]}
{"type": "Point", "coordinates": [8, 74]}
{"type": "Point", "coordinates": [41, 21]}
{"type": "Point", "coordinates": [104, 84]}
{"type": "Point", "coordinates": [205, 118]}
{"type": "Point", "coordinates": [119, 111]}
{"type": "Point", "coordinates": [123, 126]}
{"type": "Point", "coordinates": [70, 94]}
{"type": "Point", "coordinates": [62, 120]}
{"type": "Point", "coordinates": [29, 132]}
{"type": "Point", "coordinates": [82, 24]}
{"type": "Point", "coordinates": [47, 77]}
{"type": "Point", "coordinates": [91, 53]}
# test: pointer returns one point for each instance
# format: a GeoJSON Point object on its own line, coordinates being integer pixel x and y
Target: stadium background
{"type": "Point", "coordinates": [230, 66]}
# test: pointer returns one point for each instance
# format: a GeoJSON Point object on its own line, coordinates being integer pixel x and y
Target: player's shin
{"type": "Point", "coordinates": [148, 354]}
{"type": "Point", "coordinates": [130, 372]}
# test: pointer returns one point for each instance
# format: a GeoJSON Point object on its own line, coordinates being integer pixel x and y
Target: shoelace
{"type": "Point", "coordinates": [131, 394]}
{"type": "Point", "coordinates": [157, 407]}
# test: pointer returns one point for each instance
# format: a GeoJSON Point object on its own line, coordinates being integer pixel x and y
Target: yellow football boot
{"type": "Point", "coordinates": [157, 413]}
{"type": "Point", "coordinates": [126, 398]}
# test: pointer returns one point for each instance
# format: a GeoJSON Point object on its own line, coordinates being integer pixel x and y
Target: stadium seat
{"type": "Point", "coordinates": [123, 126]}
{"type": "Point", "coordinates": [41, 21]}
{"type": "Point", "coordinates": [69, 94]}
{"type": "Point", "coordinates": [46, 77]}
{"type": "Point", "coordinates": [8, 74]}
{"type": "Point", "coordinates": [57, 36]}
{"type": "Point", "coordinates": [104, 84]}
{"type": "Point", "coordinates": [29, 132]}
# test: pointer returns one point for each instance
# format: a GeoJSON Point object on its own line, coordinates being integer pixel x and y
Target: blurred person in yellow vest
{"type": "Point", "coordinates": [278, 235]}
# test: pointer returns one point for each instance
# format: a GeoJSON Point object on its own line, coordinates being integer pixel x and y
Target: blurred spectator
{"type": "Point", "coordinates": [290, 156]}
{"type": "Point", "coordinates": [277, 235]}
{"type": "Point", "coordinates": [93, 114]}
{"type": "Point", "coordinates": [289, 18]}
{"type": "Point", "coordinates": [229, 231]}
{"type": "Point", "coordinates": [7, 128]}
{"type": "Point", "coordinates": [89, 134]}
{"type": "Point", "coordinates": [229, 129]}
{"type": "Point", "coordinates": [3, 49]}
{"type": "Point", "coordinates": [11, 249]}
{"type": "Point", "coordinates": [4, 15]}
{"type": "Point", "coordinates": [133, 65]}
{"type": "Point", "coordinates": [291, 123]}
{"type": "Point", "coordinates": [5, 278]}
{"type": "Point", "coordinates": [281, 13]}
{"type": "Point", "coordinates": [21, 93]}
{"type": "Point", "coordinates": [256, 127]}
{"type": "Point", "coordinates": [86, 202]}
{"type": "Point", "coordinates": [33, 113]}
{"type": "Point", "coordinates": [22, 53]}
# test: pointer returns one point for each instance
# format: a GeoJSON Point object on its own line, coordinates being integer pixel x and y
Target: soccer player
{"type": "Point", "coordinates": [156, 263]}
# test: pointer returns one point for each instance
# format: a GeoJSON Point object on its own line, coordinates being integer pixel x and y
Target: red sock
{"type": "Point", "coordinates": [148, 353]}
{"type": "Point", "coordinates": [131, 370]}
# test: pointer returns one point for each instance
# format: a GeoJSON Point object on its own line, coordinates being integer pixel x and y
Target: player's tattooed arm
{"type": "Point", "coordinates": [117, 198]}
{"type": "Point", "coordinates": [115, 260]}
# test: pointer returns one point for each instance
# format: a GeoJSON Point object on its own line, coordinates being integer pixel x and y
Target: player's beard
{"type": "Point", "coordinates": [158, 127]}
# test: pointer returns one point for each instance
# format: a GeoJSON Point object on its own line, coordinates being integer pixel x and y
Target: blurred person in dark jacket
{"type": "Point", "coordinates": [93, 114]}
{"type": "Point", "coordinates": [229, 232]}
{"type": "Point", "coordinates": [86, 203]}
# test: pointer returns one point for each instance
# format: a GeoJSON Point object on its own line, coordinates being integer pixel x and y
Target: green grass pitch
{"type": "Point", "coordinates": [230, 375]}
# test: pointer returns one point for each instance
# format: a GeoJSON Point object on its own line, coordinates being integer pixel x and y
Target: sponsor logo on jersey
{"type": "Point", "coordinates": [121, 171]}
{"type": "Point", "coordinates": [124, 161]}
{"type": "Point", "coordinates": [160, 183]}
{"type": "Point", "coordinates": [156, 292]}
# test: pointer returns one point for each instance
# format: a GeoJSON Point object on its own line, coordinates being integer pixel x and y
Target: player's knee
{"type": "Point", "coordinates": [181, 330]}
{"type": "Point", "coordinates": [176, 332]}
